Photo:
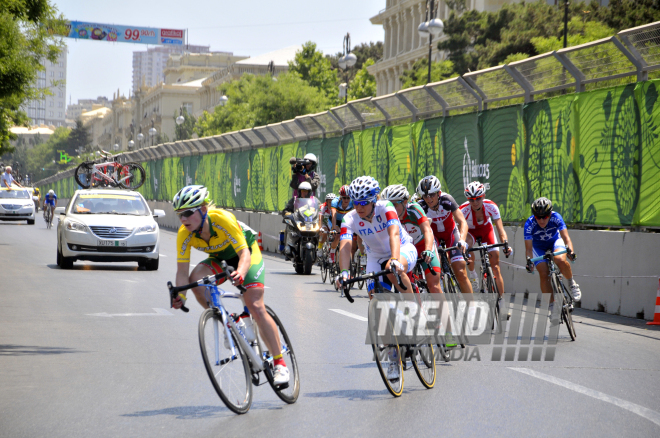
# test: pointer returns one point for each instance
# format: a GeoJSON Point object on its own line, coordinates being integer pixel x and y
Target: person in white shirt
{"type": "Point", "coordinates": [7, 179]}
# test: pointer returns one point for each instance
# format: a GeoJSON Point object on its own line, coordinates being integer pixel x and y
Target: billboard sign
{"type": "Point", "coordinates": [125, 34]}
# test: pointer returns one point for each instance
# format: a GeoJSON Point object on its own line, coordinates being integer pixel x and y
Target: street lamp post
{"type": "Point", "coordinates": [140, 137]}
{"type": "Point", "coordinates": [179, 121]}
{"type": "Point", "coordinates": [223, 100]}
{"type": "Point", "coordinates": [430, 28]}
{"type": "Point", "coordinates": [347, 61]}
{"type": "Point", "coordinates": [152, 133]}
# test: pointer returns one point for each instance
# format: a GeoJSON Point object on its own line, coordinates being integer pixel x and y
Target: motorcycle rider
{"type": "Point", "coordinates": [304, 171]}
{"type": "Point", "coordinates": [305, 191]}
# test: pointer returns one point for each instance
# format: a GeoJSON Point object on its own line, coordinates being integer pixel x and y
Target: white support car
{"type": "Point", "coordinates": [16, 205]}
{"type": "Point", "coordinates": [107, 225]}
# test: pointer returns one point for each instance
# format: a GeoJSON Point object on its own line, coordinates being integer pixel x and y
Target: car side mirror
{"type": "Point", "coordinates": [59, 210]}
{"type": "Point", "coordinates": [159, 213]}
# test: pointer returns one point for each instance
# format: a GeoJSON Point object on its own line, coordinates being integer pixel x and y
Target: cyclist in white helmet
{"type": "Point", "coordinates": [482, 216]}
{"type": "Point", "coordinates": [325, 216]}
{"type": "Point", "coordinates": [448, 225]}
{"type": "Point", "coordinates": [418, 226]}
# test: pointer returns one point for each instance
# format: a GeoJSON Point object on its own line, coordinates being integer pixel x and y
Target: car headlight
{"type": "Point", "coordinates": [27, 206]}
{"type": "Point", "coordinates": [75, 226]}
{"type": "Point", "coordinates": [148, 228]}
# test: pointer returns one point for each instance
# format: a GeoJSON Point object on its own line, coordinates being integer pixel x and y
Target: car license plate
{"type": "Point", "coordinates": [112, 243]}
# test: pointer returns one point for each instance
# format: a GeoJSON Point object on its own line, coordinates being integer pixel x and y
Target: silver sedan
{"type": "Point", "coordinates": [108, 225]}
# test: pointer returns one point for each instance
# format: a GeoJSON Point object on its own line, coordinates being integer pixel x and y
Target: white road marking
{"type": "Point", "coordinates": [629, 406]}
{"type": "Point", "coordinates": [159, 312]}
{"type": "Point", "coordinates": [349, 314]}
{"type": "Point", "coordinates": [130, 281]}
{"type": "Point", "coordinates": [162, 255]}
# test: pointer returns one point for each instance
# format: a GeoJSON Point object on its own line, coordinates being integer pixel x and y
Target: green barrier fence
{"type": "Point", "coordinates": [595, 154]}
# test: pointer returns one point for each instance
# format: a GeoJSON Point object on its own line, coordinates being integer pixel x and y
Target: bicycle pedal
{"type": "Point", "coordinates": [282, 386]}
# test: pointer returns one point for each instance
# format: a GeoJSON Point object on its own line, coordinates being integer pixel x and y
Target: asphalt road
{"type": "Point", "coordinates": [67, 369]}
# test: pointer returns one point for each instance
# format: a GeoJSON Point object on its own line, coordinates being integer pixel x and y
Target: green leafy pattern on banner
{"type": "Point", "coordinates": [596, 155]}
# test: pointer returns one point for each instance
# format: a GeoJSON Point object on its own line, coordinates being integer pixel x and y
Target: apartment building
{"type": "Point", "coordinates": [51, 110]}
{"type": "Point", "coordinates": [148, 66]}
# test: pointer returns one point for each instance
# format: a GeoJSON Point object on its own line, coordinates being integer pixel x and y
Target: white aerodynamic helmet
{"type": "Point", "coordinates": [311, 157]}
{"type": "Point", "coordinates": [330, 197]}
{"type": "Point", "coordinates": [428, 185]}
{"type": "Point", "coordinates": [475, 190]}
{"type": "Point", "coordinates": [364, 188]}
{"type": "Point", "coordinates": [51, 192]}
{"type": "Point", "coordinates": [396, 192]}
{"type": "Point", "coordinates": [305, 186]}
{"type": "Point", "coordinates": [415, 197]}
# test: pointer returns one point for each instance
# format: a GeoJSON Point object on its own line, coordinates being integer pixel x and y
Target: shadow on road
{"type": "Point", "coordinates": [30, 350]}
{"type": "Point", "coordinates": [199, 412]}
{"type": "Point", "coordinates": [351, 394]}
{"type": "Point", "coordinates": [99, 267]}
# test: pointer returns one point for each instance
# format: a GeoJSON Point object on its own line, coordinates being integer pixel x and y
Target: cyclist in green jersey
{"type": "Point", "coordinates": [414, 219]}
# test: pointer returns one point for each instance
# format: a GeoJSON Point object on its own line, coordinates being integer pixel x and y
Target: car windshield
{"type": "Point", "coordinates": [110, 203]}
{"type": "Point", "coordinates": [14, 194]}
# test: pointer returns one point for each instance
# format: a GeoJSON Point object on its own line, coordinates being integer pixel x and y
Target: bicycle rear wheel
{"type": "Point", "coordinates": [423, 361]}
{"type": "Point", "coordinates": [288, 394]}
{"type": "Point", "coordinates": [491, 288]}
{"type": "Point", "coordinates": [83, 174]}
{"type": "Point", "coordinates": [229, 373]}
{"type": "Point", "coordinates": [131, 176]}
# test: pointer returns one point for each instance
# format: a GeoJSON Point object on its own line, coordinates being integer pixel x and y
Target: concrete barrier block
{"type": "Point", "coordinates": [636, 260]}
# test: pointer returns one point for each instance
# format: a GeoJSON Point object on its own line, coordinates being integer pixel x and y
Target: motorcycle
{"type": "Point", "coordinates": [303, 234]}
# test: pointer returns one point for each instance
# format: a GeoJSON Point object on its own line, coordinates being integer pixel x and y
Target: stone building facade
{"type": "Point", "coordinates": [403, 44]}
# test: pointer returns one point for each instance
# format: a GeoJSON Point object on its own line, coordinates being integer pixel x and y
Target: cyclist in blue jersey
{"type": "Point", "coordinates": [545, 230]}
{"type": "Point", "coordinates": [339, 207]}
{"type": "Point", "coordinates": [50, 200]}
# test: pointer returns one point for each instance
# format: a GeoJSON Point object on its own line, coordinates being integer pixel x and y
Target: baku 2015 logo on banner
{"type": "Point", "coordinates": [472, 169]}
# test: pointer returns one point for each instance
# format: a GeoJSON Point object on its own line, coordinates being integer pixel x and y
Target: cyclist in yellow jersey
{"type": "Point", "coordinates": [217, 232]}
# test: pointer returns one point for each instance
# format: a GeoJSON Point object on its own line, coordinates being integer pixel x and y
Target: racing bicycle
{"type": "Point", "coordinates": [232, 359]}
{"type": "Point", "coordinates": [48, 217]}
{"type": "Point", "coordinates": [487, 283]}
{"type": "Point", "coordinates": [396, 355]}
{"type": "Point", "coordinates": [559, 290]}
{"type": "Point", "coordinates": [109, 173]}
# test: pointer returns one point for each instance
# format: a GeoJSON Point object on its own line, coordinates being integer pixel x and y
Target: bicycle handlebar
{"type": "Point", "coordinates": [553, 254]}
{"type": "Point", "coordinates": [208, 280]}
{"type": "Point", "coordinates": [369, 276]}
{"type": "Point", "coordinates": [454, 248]}
{"type": "Point", "coordinates": [505, 244]}
{"type": "Point", "coordinates": [421, 259]}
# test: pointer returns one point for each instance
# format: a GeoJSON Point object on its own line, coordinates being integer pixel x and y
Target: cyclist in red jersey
{"type": "Point", "coordinates": [481, 214]}
{"type": "Point", "coordinates": [448, 224]}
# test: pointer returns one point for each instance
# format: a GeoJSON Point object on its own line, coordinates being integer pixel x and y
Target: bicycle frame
{"type": "Point", "coordinates": [256, 364]}
{"type": "Point", "coordinates": [482, 248]}
{"type": "Point", "coordinates": [553, 271]}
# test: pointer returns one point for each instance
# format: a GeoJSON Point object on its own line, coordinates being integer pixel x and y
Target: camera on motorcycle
{"type": "Point", "coordinates": [299, 166]}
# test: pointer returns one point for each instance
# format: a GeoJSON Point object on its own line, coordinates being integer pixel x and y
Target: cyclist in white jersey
{"type": "Point", "coordinates": [386, 242]}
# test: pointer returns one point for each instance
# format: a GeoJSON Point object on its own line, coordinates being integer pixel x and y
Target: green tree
{"type": "Point", "coordinates": [579, 32]}
{"type": "Point", "coordinates": [186, 129]}
{"type": "Point", "coordinates": [418, 74]}
{"type": "Point", "coordinates": [26, 40]}
{"type": "Point", "coordinates": [79, 138]}
{"type": "Point", "coordinates": [624, 14]}
{"type": "Point", "coordinates": [259, 100]}
{"type": "Point", "coordinates": [315, 69]}
{"type": "Point", "coordinates": [364, 84]}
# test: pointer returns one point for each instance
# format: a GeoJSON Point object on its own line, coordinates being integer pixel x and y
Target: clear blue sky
{"type": "Point", "coordinates": [248, 27]}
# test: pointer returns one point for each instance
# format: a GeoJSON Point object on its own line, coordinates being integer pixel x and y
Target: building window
{"type": "Point", "coordinates": [59, 115]}
{"type": "Point", "coordinates": [61, 74]}
{"type": "Point", "coordinates": [52, 74]}
{"type": "Point", "coordinates": [50, 103]}
{"type": "Point", "coordinates": [60, 104]}
{"type": "Point", "coordinates": [60, 94]}
{"type": "Point", "coordinates": [188, 106]}
{"type": "Point", "coordinates": [50, 114]}
{"type": "Point", "coordinates": [61, 64]}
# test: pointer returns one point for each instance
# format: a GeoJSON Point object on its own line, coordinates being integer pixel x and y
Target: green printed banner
{"type": "Point", "coordinates": [595, 154]}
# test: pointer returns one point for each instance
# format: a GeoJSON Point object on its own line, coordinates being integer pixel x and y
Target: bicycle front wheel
{"type": "Point", "coordinates": [229, 372]}
{"type": "Point", "coordinates": [288, 394]}
{"type": "Point", "coordinates": [567, 314]}
{"type": "Point", "coordinates": [83, 174]}
{"type": "Point", "coordinates": [324, 270]}
{"type": "Point", "coordinates": [131, 176]}
{"type": "Point", "coordinates": [390, 366]}
{"type": "Point", "coordinates": [423, 361]}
